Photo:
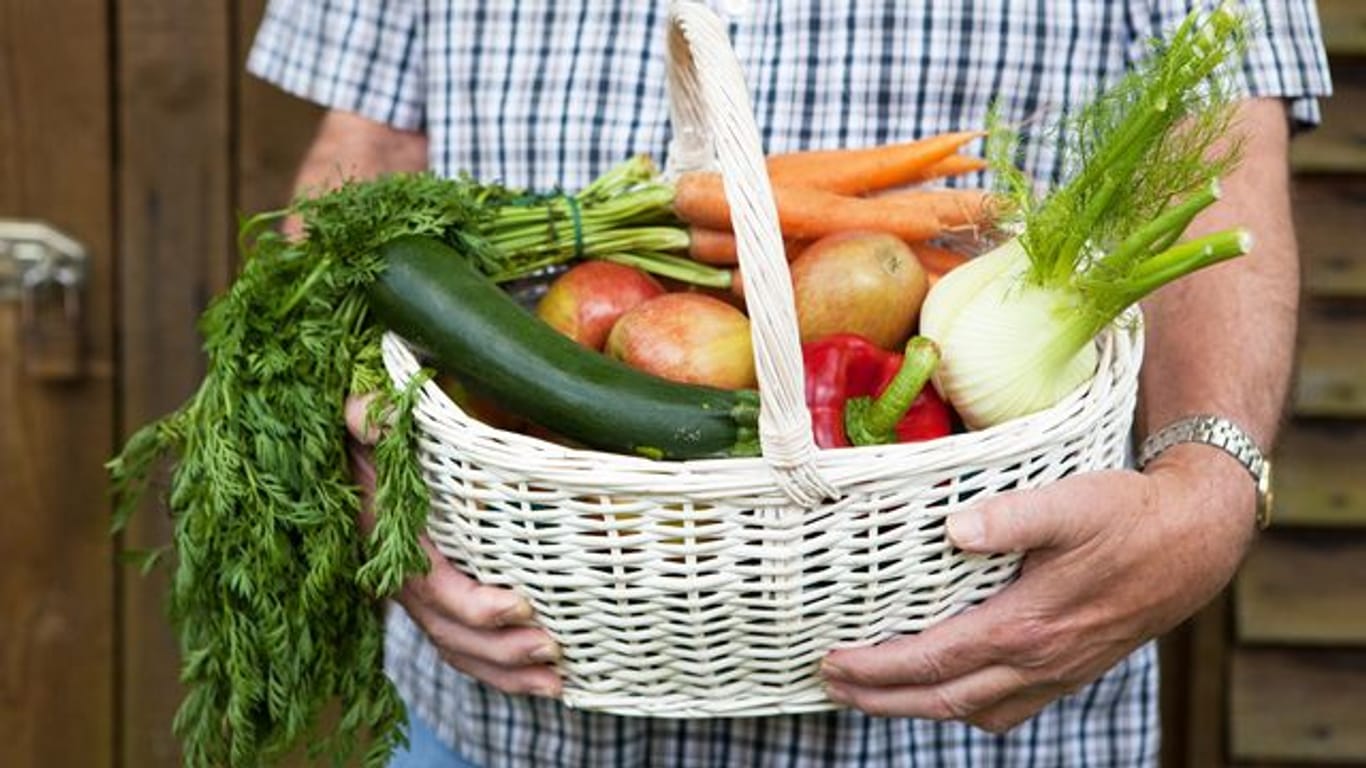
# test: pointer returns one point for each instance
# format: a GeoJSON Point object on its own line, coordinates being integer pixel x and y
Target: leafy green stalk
{"type": "Point", "coordinates": [1145, 153]}
{"type": "Point", "coordinates": [273, 590]}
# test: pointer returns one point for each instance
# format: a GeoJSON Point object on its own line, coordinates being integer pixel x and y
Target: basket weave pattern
{"type": "Point", "coordinates": [713, 587]}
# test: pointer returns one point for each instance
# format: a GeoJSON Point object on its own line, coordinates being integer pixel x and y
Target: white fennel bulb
{"type": "Point", "coordinates": [1017, 326]}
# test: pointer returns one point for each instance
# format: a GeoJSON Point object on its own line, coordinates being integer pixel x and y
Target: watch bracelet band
{"type": "Point", "coordinates": [1223, 434]}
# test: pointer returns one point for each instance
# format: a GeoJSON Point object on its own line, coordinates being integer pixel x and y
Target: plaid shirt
{"type": "Point", "coordinates": [546, 93]}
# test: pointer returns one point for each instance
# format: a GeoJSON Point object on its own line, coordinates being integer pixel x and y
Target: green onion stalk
{"type": "Point", "coordinates": [274, 587]}
{"type": "Point", "coordinates": [1017, 326]}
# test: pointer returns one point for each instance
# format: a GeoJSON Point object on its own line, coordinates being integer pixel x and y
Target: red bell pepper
{"type": "Point", "coordinates": [861, 394]}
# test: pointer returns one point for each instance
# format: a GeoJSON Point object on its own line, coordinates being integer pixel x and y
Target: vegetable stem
{"type": "Point", "coordinates": [1158, 232]}
{"type": "Point", "coordinates": [872, 421]}
{"type": "Point", "coordinates": [1184, 258]}
{"type": "Point", "coordinates": [676, 267]}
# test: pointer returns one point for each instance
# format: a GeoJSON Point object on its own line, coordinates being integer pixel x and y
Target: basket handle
{"type": "Point", "coordinates": [713, 120]}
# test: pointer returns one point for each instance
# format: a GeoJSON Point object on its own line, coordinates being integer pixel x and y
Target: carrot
{"type": "Point", "coordinates": [936, 259]}
{"type": "Point", "coordinates": [711, 246]}
{"type": "Point", "coordinates": [953, 165]}
{"type": "Point", "coordinates": [805, 213]}
{"type": "Point", "coordinates": [865, 169]}
{"type": "Point", "coordinates": [955, 208]}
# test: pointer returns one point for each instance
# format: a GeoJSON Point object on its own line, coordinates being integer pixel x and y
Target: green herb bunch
{"type": "Point", "coordinates": [274, 589]}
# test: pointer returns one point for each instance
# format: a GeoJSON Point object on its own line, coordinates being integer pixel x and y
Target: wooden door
{"type": "Point", "coordinates": [199, 141]}
{"type": "Point", "coordinates": [56, 427]}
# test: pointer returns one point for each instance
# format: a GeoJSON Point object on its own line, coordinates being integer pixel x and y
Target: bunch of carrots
{"type": "Point", "coordinates": [822, 192]}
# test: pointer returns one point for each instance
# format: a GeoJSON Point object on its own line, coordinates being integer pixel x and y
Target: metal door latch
{"type": "Point", "coordinates": [45, 271]}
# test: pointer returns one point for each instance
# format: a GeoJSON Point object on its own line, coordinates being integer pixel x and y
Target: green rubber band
{"type": "Point", "coordinates": [576, 219]}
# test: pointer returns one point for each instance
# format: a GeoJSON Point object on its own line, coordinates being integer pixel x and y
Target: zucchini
{"type": "Point", "coordinates": [431, 295]}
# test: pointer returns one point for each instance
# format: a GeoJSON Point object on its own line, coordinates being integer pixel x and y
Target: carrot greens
{"type": "Point", "coordinates": [273, 589]}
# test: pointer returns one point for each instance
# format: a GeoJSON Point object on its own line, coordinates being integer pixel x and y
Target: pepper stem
{"type": "Point", "coordinates": [872, 421]}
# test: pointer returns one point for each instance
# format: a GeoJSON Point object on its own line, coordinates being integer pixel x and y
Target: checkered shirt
{"type": "Point", "coordinates": [549, 93]}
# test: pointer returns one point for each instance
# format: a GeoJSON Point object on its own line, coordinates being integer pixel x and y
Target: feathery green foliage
{"type": "Point", "coordinates": [1142, 159]}
{"type": "Point", "coordinates": [274, 589]}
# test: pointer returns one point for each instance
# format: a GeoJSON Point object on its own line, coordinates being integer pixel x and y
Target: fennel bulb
{"type": "Point", "coordinates": [1017, 326]}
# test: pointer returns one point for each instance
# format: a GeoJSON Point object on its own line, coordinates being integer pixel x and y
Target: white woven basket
{"type": "Point", "coordinates": [714, 587]}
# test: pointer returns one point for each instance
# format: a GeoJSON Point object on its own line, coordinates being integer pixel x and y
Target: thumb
{"type": "Point", "coordinates": [365, 429]}
{"type": "Point", "coordinates": [1055, 515]}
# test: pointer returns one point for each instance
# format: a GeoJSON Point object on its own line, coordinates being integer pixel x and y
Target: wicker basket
{"type": "Point", "coordinates": [714, 587]}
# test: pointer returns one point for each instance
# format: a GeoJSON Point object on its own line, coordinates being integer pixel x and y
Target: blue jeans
{"type": "Point", "coordinates": [425, 750]}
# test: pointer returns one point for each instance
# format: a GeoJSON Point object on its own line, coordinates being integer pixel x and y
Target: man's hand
{"type": "Point", "coordinates": [1113, 559]}
{"type": "Point", "coordinates": [483, 631]}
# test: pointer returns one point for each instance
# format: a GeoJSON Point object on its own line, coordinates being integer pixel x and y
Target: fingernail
{"type": "Point", "coordinates": [545, 654]}
{"type": "Point", "coordinates": [517, 614]}
{"type": "Point", "coordinates": [965, 529]}
{"type": "Point", "coordinates": [830, 669]}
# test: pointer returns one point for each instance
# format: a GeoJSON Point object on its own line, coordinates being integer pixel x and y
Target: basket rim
{"type": "Point", "coordinates": [1120, 353]}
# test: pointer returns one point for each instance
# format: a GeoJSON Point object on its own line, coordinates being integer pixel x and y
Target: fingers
{"type": "Point", "coordinates": [453, 596]}
{"type": "Point", "coordinates": [363, 427]}
{"type": "Point", "coordinates": [534, 680]}
{"type": "Point", "coordinates": [481, 630]}
{"type": "Point", "coordinates": [1013, 710]}
{"type": "Point", "coordinates": [952, 648]}
{"type": "Point", "coordinates": [959, 699]}
{"type": "Point", "coordinates": [1060, 514]}
{"type": "Point", "coordinates": [477, 629]}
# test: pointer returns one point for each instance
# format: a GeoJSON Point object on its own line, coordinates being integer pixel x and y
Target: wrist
{"type": "Point", "coordinates": [1227, 437]}
{"type": "Point", "coordinates": [1226, 494]}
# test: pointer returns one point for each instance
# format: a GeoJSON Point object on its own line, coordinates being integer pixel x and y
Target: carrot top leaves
{"type": "Point", "coordinates": [273, 585]}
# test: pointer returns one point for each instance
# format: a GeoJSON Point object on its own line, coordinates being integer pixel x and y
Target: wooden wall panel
{"type": "Point", "coordinates": [1330, 212]}
{"type": "Point", "coordinates": [1305, 588]}
{"type": "Point", "coordinates": [57, 609]}
{"type": "Point", "coordinates": [1291, 706]}
{"type": "Point", "coordinates": [1344, 26]}
{"type": "Point", "coordinates": [273, 128]}
{"type": "Point", "coordinates": [177, 229]}
{"type": "Point", "coordinates": [1318, 470]}
{"type": "Point", "coordinates": [1337, 146]}
{"type": "Point", "coordinates": [1331, 378]}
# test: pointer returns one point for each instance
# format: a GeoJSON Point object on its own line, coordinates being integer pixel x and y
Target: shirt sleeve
{"type": "Point", "coordinates": [1285, 54]}
{"type": "Point", "coordinates": [362, 56]}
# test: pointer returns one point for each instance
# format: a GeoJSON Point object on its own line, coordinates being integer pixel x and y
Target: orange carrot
{"type": "Point", "coordinates": [865, 169]}
{"type": "Point", "coordinates": [805, 213]}
{"type": "Point", "coordinates": [936, 259]}
{"type": "Point", "coordinates": [711, 246]}
{"type": "Point", "coordinates": [953, 165]}
{"type": "Point", "coordinates": [956, 208]}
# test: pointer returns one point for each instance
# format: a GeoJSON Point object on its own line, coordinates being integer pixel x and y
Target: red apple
{"type": "Point", "coordinates": [585, 302]}
{"type": "Point", "coordinates": [867, 283]}
{"type": "Point", "coordinates": [688, 337]}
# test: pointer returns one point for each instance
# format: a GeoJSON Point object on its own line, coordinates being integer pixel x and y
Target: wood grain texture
{"type": "Point", "coordinates": [1318, 474]}
{"type": "Point", "coordinates": [176, 233]}
{"type": "Point", "coordinates": [1304, 587]}
{"type": "Point", "coordinates": [1339, 144]}
{"type": "Point", "coordinates": [1298, 705]}
{"type": "Point", "coordinates": [1329, 214]}
{"type": "Point", "coordinates": [1203, 683]}
{"type": "Point", "coordinates": [1344, 26]}
{"type": "Point", "coordinates": [56, 599]}
{"type": "Point", "coordinates": [273, 128]}
{"type": "Point", "coordinates": [1331, 377]}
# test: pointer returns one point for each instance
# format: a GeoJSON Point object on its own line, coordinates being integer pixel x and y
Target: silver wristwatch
{"type": "Point", "coordinates": [1220, 433]}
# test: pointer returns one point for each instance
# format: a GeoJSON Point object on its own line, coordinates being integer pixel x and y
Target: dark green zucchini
{"type": "Point", "coordinates": [436, 299]}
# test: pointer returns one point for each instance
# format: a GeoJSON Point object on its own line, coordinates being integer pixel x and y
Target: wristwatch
{"type": "Point", "coordinates": [1220, 433]}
